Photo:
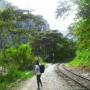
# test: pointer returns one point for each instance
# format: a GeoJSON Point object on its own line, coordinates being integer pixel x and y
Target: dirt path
{"type": "Point", "coordinates": [50, 81]}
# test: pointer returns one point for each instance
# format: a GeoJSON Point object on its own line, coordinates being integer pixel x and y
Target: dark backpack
{"type": "Point", "coordinates": [42, 68]}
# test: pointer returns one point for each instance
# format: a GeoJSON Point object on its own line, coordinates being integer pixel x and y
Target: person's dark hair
{"type": "Point", "coordinates": [37, 62]}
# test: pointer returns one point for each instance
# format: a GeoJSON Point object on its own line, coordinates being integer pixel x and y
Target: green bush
{"type": "Point", "coordinates": [16, 63]}
{"type": "Point", "coordinates": [19, 58]}
{"type": "Point", "coordinates": [24, 57]}
{"type": "Point", "coordinates": [82, 59]}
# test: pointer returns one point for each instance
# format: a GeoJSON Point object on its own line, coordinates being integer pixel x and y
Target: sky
{"type": "Point", "coordinates": [47, 9]}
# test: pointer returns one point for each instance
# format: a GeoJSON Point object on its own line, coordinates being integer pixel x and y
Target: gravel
{"type": "Point", "coordinates": [50, 79]}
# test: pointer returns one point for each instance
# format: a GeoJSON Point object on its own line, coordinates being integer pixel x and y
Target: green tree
{"type": "Point", "coordinates": [81, 30]}
{"type": "Point", "coordinates": [50, 44]}
{"type": "Point", "coordinates": [25, 57]}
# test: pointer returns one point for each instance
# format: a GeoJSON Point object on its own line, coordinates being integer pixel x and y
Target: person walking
{"type": "Point", "coordinates": [38, 74]}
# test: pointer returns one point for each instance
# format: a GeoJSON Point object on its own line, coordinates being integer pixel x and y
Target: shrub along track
{"type": "Point", "coordinates": [76, 81]}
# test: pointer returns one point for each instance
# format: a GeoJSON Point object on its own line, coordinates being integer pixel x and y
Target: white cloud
{"type": "Point", "coordinates": [46, 8]}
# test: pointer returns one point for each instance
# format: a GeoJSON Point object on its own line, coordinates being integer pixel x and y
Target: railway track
{"type": "Point", "coordinates": [76, 81]}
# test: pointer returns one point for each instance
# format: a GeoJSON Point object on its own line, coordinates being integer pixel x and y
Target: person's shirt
{"type": "Point", "coordinates": [37, 70]}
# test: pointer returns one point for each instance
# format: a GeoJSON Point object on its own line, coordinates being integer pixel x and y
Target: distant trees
{"type": "Point", "coordinates": [53, 46]}
{"type": "Point", "coordinates": [65, 7]}
{"type": "Point", "coordinates": [15, 26]}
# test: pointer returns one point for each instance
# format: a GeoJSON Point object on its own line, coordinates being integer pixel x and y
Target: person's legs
{"type": "Point", "coordinates": [38, 81]}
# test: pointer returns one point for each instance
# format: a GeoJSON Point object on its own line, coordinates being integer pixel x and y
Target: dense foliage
{"type": "Point", "coordinates": [14, 62]}
{"type": "Point", "coordinates": [16, 56]}
{"type": "Point", "coordinates": [81, 30]}
{"type": "Point", "coordinates": [50, 44]}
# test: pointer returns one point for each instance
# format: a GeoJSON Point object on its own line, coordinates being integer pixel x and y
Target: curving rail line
{"type": "Point", "coordinates": [82, 81]}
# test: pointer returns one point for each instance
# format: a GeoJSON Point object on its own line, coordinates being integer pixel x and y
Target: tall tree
{"type": "Point", "coordinates": [49, 45]}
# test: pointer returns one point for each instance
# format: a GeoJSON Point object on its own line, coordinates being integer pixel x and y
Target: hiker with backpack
{"type": "Point", "coordinates": [38, 74]}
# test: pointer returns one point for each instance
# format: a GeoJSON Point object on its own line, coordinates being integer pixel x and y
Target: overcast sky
{"type": "Point", "coordinates": [47, 9]}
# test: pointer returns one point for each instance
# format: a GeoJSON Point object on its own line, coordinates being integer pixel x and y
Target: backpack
{"type": "Point", "coordinates": [42, 68]}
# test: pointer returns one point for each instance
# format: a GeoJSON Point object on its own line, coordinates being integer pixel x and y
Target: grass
{"type": "Point", "coordinates": [82, 60]}
{"type": "Point", "coordinates": [8, 82]}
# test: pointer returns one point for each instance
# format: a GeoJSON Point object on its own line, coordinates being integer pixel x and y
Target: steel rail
{"type": "Point", "coordinates": [73, 75]}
